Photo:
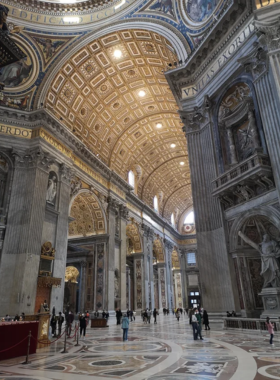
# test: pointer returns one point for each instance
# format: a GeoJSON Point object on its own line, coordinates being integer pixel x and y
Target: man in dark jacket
{"type": "Point", "coordinates": [118, 316]}
{"type": "Point", "coordinates": [60, 320]}
{"type": "Point", "coordinates": [83, 324]}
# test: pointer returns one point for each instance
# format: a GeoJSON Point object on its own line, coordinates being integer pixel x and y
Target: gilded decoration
{"type": "Point", "coordinates": [96, 95]}
{"type": "Point", "coordinates": [88, 216]}
{"type": "Point", "coordinates": [132, 231]}
{"type": "Point", "coordinates": [47, 250]}
{"type": "Point", "coordinates": [175, 260]}
{"type": "Point", "coordinates": [48, 282]}
{"type": "Point", "coordinates": [71, 274]}
{"type": "Point", "coordinates": [158, 251]}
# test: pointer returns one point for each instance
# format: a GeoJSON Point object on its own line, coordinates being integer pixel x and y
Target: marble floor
{"type": "Point", "coordinates": [164, 351]}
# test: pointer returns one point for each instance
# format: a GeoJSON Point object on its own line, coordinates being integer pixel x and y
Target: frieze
{"type": "Point", "coordinates": [256, 61]}
{"type": "Point", "coordinates": [16, 131]}
{"type": "Point", "coordinates": [193, 90]}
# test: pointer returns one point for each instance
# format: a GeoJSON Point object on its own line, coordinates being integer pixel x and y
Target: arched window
{"type": "Point", "coordinates": [131, 178]}
{"type": "Point", "coordinates": [189, 219]}
{"type": "Point", "coordinates": [156, 203]}
{"type": "Point", "coordinates": [172, 219]}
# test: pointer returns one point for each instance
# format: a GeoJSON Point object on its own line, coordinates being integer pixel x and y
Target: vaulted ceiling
{"type": "Point", "coordinates": [96, 94]}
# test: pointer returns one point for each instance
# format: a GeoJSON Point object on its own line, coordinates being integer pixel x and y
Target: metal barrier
{"type": "Point", "coordinates": [252, 324]}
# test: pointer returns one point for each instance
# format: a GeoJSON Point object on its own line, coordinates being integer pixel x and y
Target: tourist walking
{"type": "Point", "coordinates": [125, 326]}
{"type": "Point", "coordinates": [177, 314]}
{"type": "Point", "coordinates": [149, 315]}
{"type": "Point", "coordinates": [83, 325]}
{"type": "Point", "coordinates": [196, 324]}
{"type": "Point", "coordinates": [134, 315]}
{"type": "Point", "coordinates": [155, 313]}
{"type": "Point", "coordinates": [270, 328]}
{"type": "Point", "coordinates": [206, 320]}
{"type": "Point", "coordinates": [118, 316]}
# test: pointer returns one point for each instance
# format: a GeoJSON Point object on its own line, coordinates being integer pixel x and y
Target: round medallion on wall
{"type": "Point", "coordinates": [188, 228]}
{"type": "Point", "coordinates": [198, 12]}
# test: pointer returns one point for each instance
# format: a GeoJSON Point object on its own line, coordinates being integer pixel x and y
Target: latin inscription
{"type": "Point", "coordinates": [53, 20]}
{"type": "Point", "coordinates": [15, 131]}
{"type": "Point", "coordinates": [189, 92]}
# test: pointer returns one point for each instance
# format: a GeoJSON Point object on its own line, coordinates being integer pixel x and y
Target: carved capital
{"type": "Point", "coordinates": [123, 212]}
{"type": "Point", "coordinates": [66, 173]}
{"type": "Point", "coordinates": [256, 61]}
{"type": "Point", "coordinates": [196, 119]}
{"type": "Point", "coordinates": [270, 36]}
{"type": "Point", "coordinates": [33, 158]}
{"type": "Point", "coordinates": [145, 230]}
{"type": "Point", "coordinates": [76, 186]}
{"type": "Point", "coordinates": [168, 245]}
{"type": "Point", "coordinates": [112, 205]}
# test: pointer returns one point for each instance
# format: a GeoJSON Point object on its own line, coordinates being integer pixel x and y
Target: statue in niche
{"type": "Point", "coordinates": [47, 249]}
{"type": "Point", "coordinates": [52, 188]}
{"type": "Point", "coordinates": [270, 251]}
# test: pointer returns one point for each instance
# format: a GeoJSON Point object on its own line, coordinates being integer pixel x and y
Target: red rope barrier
{"type": "Point", "coordinates": [76, 329]}
{"type": "Point", "coordinates": [47, 343]}
{"type": "Point", "coordinates": [7, 349]}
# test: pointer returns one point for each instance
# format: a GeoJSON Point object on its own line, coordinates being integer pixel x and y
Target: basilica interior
{"type": "Point", "coordinates": [140, 169]}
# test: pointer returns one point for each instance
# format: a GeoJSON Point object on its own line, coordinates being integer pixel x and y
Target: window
{"type": "Point", "coordinates": [156, 203]}
{"type": "Point", "coordinates": [196, 294]}
{"type": "Point", "coordinates": [172, 219]}
{"type": "Point", "coordinates": [189, 218]}
{"type": "Point", "coordinates": [192, 293]}
{"type": "Point", "coordinates": [191, 259]}
{"type": "Point", "coordinates": [131, 178]}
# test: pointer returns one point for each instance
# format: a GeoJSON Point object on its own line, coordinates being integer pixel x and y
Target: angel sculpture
{"type": "Point", "coordinates": [270, 251]}
{"type": "Point", "coordinates": [49, 46]}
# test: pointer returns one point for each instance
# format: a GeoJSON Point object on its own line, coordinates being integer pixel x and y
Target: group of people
{"type": "Point", "coordinates": [17, 318]}
{"type": "Point", "coordinates": [147, 314]}
{"type": "Point", "coordinates": [130, 314]}
{"type": "Point", "coordinates": [232, 314]}
{"type": "Point", "coordinates": [198, 317]}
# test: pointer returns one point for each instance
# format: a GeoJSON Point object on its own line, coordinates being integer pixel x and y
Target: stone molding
{"type": "Point", "coordinates": [113, 205]}
{"type": "Point", "coordinates": [205, 54]}
{"type": "Point", "coordinates": [168, 245]}
{"type": "Point", "coordinates": [123, 211]}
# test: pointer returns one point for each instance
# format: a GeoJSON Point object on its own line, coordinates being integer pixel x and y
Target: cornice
{"type": "Point", "coordinates": [197, 63]}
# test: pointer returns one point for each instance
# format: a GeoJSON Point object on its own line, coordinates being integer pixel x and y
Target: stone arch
{"type": "Point", "coordinates": [89, 216]}
{"type": "Point", "coordinates": [133, 233]}
{"type": "Point", "coordinates": [158, 250]}
{"type": "Point", "coordinates": [270, 213]}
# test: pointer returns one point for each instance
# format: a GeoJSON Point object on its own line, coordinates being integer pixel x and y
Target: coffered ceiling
{"type": "Point", "coordinates": [97, 94]}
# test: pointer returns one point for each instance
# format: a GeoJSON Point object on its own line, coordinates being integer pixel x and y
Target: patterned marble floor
{"type": "Point", "coordinates": [165, 351]}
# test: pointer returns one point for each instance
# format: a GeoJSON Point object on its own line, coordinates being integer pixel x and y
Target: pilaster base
{"type": "Point", "coordinates": [271, 302]}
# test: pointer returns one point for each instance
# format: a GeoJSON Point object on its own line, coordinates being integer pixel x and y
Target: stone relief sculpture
{"type": "Point", "coordinates": [52, 188]}
{"type": "Point", "coordinates": [270, 251]}
{"type": "Point", "coordinates": [76, 185]}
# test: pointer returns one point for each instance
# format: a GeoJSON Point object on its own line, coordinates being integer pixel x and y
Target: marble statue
{"type": "Point", "coordinates": [71, 274]}
{"type": "Point", "coordinates": [270, 251]}
{"type": "Point", "coordinates": [51, 191]}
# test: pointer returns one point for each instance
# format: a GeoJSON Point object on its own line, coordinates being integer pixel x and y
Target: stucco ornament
{"type": "Point", "coordinates": [270, 251]}
{"type": "Point", "coordinates": [47, 249]}
{"type": "Point", "coordinates": [71, 274]}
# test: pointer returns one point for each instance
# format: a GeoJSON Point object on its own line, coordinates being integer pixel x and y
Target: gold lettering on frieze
{"type": "Point", "coordinates": [133, 208]}
{"type": "Point", "coordinates": [16, 131]}
{"type": "Point", "coordinates": [52, 141]}
{"type": "Point", "coordinates": [189, 241]}
{"type": "Point", "coordinates": [116, 190]}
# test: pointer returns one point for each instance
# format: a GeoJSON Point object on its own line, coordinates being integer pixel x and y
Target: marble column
{"type": "Point", "coordinates": [100, 279]}
{"type": "Point", "coordinates": [183, 253]}
{"type": "Point", "coordinates": [128, 289]}
{"type": "Point", "coordinates": [169, 281]}
{"type": "Point", "coordinates": [148, 262]}
{"type": "Point", "coordinates": [178, 288]}
{"type": "Point", "coordinates": [61, 240]}
{"type": "Point", "coordinates": [139, 294]}
{"type": "Point", "coordinates": [162, 286]}
{"type": "Point", "coordinates": [123, 250]}
{"type": "Point", "coordinates": [22, 245]}
{"type": "Point", "coordinates": [83, 266]}
{"type": "Point", "coordinates": [112, 209]}
{"type": "Point", "coordinates": [151, 269]}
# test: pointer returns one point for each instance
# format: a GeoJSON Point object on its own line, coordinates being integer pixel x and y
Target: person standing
{"type": "Point", "coordinates": [194, 326]}
{"type": "Point", "coordinates": [118, 316]}
{"type": "Point", "coordinates": [83, 325]}
{"type": "Point", "coordinates": [198, 318]}
{"type": "Point", "coordinates": [270, 327]}
{"type": "Point", "coordinates": [125, 326]}
{"type": "Point", "coordinates": [60, 321]}
{"type": "Point", "coordinates": [134, 315]}
{"type": "Point", "coordinates": [155, 313]}
{"type": "Point", "coordinates": [206, 320]}
{"type": "Point", "coordinates": [69, 320]}
{"type": "Point", "coordinates": [149, 315]}
{"type": "Point", "coordinates": [53, 325]}
{"type": "Point", "coordinates": [177, 315]}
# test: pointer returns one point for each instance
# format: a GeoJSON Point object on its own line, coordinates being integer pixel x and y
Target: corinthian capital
{"type": "Point", "coordinates": [123, 212]}
{"type": "Point", "coordinates": [256, 61]}
{"type": "Point", "coordinates": [112, 204]}
{"type": "Point", "coordinates": [33, 158]}
{"type": "Point", "coordinates": [168, 244]}
{"type": "Point", "coordinates": [67, 173]}
{"type": "Point", "coordinates": [270, 36]}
